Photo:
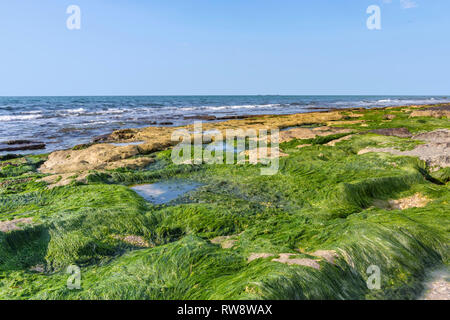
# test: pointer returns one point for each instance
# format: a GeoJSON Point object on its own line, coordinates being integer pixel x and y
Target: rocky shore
{"type": "Point", "coordinates": [355, 188]}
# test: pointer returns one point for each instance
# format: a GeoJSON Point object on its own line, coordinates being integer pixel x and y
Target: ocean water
{"type": "Point", "coordinates": [62, 122]}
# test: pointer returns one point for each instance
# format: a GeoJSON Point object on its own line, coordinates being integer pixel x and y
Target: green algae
{"type": "Point", "coordinates": [321, 199]}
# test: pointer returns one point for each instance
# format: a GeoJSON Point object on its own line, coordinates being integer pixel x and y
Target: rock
{"type": "Point", "coordinates": [436, 136]}
{"type": "Point", "coordinates": [308, 133]}
{"type": "Point", "coordinates": [236, 117]}
{"type": "Point", "coordinates": [437, 286]}
{"type": "Point", "coordinates": [123, 134]}
{"type": "Point", "coordinates": [333, 142]}
{"type": "Point", "coordinates": [200, 117]}
{"type": "Point", "coordinates": [18, 145]}
{"type": "Point", "coordinates": [436, 154]}
{"type": "Point", "coordinates": [389, 116]}
{"type": "Point", "coordinates": [8, 183]}
{"type": "Point", "coordinates": [349, 122]}
{"type": "Point", "coordinates": [224, 241]}
{"type": "Point", "coordinates": [59, 180]}
{"type": "Point", "coordinates": [101, 138]}
{"type": "Point", "coordinates": [9, 157]}
{"type": "Point", "coordinates": [286, 259]}
{"type": "Point", "coordinates": [329, 255]}
{"type": "Point", "coordinates": [40, 268]}
{"type": "Point", "coordinates": [12, 225]}
{"type": "Point", "coordinates": [435, 112]}
{"type": "Point", "coordinates": [397, 132]}
{"type": "Point", "coordinates": [96, 157]}
{"type": "Point", "coordinates": [304, 145]}
{"type": "Point", "coordinates": [134, 240]}
{"type": "Point", "coordinates": [255, 256]}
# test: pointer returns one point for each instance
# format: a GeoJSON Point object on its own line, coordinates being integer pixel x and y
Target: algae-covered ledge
{"type": "Point", "coordinates": [355, 188]}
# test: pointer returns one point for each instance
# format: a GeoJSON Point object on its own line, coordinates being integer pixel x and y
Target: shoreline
{"type": "Point", "coordinates": [61, 123]}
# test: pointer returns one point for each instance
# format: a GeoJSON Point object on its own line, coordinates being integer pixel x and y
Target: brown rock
{"type": "Point", "coordinates": [96, 157]}
{"type": "Point", "coordinates": [397, 132]}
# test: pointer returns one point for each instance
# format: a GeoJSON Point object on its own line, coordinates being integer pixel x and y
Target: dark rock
{"type": "Point", "coordinates": [445, 107]}
{"type": "Point", "coordinates": [13, 142]}
{"type": "Point", "coordinates": [18, 145]}
{"type": "Point", "coordinates": [9, 157]}
{"type": "Point", "coordinates": [122, 134]}
{"type": "Point", "coordinates": [397, 132]}
{"type": "Point", "coordinates": [201, 117]}
{"type": "Point", "coordinates": [237, 117]}
{"type": "Point", "coordinates": [102, 138]}
{"type": "Point", "coordinates": [167, 123]}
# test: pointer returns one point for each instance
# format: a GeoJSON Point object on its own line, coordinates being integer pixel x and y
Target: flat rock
{"type": "Point", "coordinates": [436, 154]}
{"type": "Point", "coordinates": [11, 225]}
{"type": "Point", "coordinates": [255, 256]}
{"type": "Point", "coordinates": [286, 259]}
{"type": "Point", "coordinates": [21, 145]}
{"type": "Point", "coordinates": [435, 112]}
{"type": "Point", "coordinates": [96, 157]}
{"type": "Point", "coordinates": [397, 132]}
{"type": "Point", "coordinates": [310, 133]}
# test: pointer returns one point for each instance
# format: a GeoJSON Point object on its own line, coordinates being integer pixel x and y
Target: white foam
{"type": "Point", "coordinates": [18, 118]}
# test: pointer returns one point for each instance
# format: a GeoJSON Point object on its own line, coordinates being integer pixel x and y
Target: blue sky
{"type": "Point", "coordinates": [190, 47]}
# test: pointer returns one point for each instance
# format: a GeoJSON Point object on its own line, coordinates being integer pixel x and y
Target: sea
{"type": "Point", "coordinates": [63, 122]}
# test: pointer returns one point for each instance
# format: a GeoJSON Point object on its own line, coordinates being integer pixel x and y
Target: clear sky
{"type": "Point", "coordinates": [190, 47]}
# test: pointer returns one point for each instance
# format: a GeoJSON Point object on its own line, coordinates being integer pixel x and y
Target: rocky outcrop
{"type": "Point", "coordinates": [308, 133]}
{"type": "Point", "coordinates": [435, 112]}
{"type": "Point", "coordinates": [96, 157]}
{"type": "Point", "coordinates": [21, 145]}
{"type": "Point", "coordinates": [436, 152]}
{"type": "Point", "coordinates": [396, 132]}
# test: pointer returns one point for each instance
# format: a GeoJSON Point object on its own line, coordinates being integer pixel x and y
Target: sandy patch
{"type": "Point", "coordinates": [415, 201]}
{"type": "Point", "coordinates": [11, 225]}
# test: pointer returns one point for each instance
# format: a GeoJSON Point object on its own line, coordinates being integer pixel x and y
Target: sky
{"type": "Point", "coordinates": [224, 47]}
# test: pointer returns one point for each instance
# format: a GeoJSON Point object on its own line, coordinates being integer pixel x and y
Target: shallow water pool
{"type": "Point", "coordinates": [164, 192]}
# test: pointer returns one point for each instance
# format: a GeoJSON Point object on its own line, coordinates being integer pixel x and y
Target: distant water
{"type": "Point", "coordinates": [62, 122]}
